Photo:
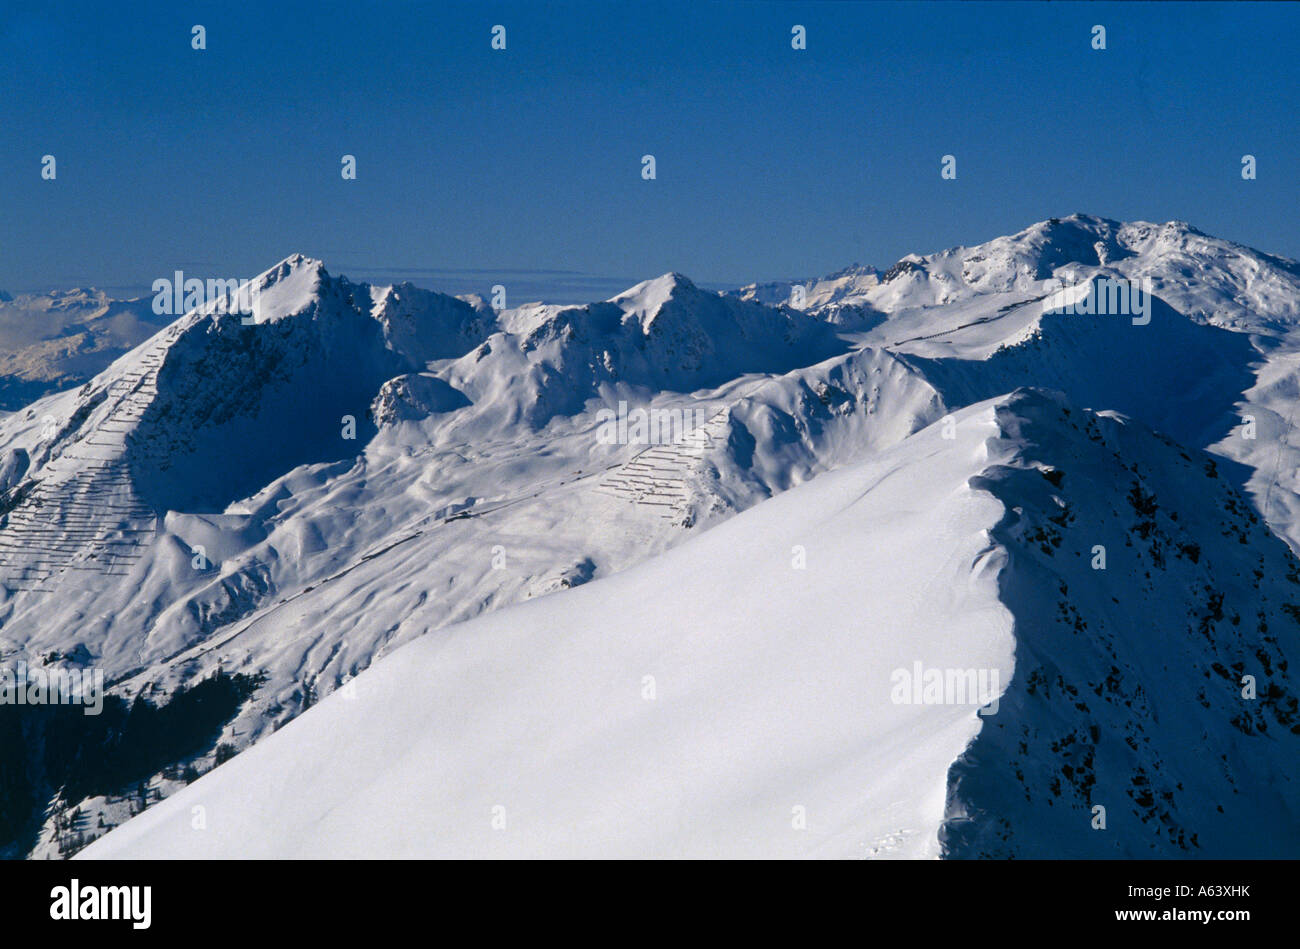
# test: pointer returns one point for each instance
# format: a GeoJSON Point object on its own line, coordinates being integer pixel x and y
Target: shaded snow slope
{"type": "Point", "coordinates": [1145, 590]}
{"type": "Point", "coordinates": [1107, 362]}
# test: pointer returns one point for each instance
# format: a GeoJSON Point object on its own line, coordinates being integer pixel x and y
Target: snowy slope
{"type": "Point", "coordinates": [771, 692]}
{"type": "Point", "coordinates": [774, 694]}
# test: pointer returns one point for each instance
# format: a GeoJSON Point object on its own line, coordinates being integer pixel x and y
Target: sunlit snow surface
{"type": "Point", "coordinates": [770, 691]}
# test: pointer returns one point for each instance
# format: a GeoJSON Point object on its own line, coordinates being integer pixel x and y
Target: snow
{"type": "Point", "coordinates": [772, 691]}
{"type": "Point", "coordinates": [477, 483]}
{"type": "Point", "coordinates": [50, 342]}
{"type": "Point", "coordinates": [772, 643]}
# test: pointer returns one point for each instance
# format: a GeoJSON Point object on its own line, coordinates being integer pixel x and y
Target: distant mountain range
{"type": "Point", "coordinates": [50, 342]}
{"type": "Point", "coordinates": [234, 521]}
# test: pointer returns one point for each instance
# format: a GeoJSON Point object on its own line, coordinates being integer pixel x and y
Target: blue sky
{"type": "Point", "coordinates": [523, 166]}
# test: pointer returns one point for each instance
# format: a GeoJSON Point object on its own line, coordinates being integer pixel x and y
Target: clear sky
{"type": "Point", "coordinates": [523, 166]}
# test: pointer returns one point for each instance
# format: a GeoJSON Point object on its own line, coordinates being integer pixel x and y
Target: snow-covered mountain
{"type": "Point", "coordinates": [255, 514]}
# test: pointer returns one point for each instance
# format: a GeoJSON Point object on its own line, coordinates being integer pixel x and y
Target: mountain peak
{"type": "Point", "coordinates": [294, 261]}
{"type": "Point", "coordinates": [287, 288]}
{"type": "Point", "coordinates": [645, 300]}
{"type": "Point", "coordinates": [292, 265]}
{"type": "Point", "coordinates": [657, 289]}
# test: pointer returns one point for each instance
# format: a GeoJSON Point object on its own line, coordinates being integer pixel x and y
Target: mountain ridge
{"type": "Point", "coordinates": [476, 477]}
